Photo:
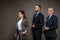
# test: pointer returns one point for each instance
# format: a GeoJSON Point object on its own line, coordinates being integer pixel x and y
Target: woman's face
{"type": "Point", "coordinates": [20, 15]}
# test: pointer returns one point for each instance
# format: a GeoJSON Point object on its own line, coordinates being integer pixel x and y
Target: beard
{"type": "Point", "coordinates": [36, 11]}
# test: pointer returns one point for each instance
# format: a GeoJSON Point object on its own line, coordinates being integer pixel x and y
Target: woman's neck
{"type": "Point", "coordinates": [22, 18]}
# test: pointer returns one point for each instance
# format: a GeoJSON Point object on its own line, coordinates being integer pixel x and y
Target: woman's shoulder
{"type": "Point", "coordinates": [25, 20]}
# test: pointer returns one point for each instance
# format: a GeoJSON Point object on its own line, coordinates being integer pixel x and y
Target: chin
{"type": "Point", "coordinates": [36, 11]}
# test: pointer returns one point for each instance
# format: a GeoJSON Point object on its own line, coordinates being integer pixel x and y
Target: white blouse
{"type": "Point", "coordinates": [19, 24]}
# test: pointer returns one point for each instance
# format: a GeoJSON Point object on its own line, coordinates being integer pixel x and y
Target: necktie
{"type": "Point", "coordinates": [36, 15]}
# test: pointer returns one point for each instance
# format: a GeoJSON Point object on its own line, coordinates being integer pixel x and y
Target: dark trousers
{"type": "Point", "coordinates": [50, 38]}
{"type": "Point", "coordinates": [36, 34]}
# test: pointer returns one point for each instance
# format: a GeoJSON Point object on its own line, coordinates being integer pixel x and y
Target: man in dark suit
{"type": "Point", "coordinates": [51, 25]}
{"type": "Point", "coordinates": [37, 23]}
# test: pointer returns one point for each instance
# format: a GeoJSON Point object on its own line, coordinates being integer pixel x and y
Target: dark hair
{"type": "Point", "coordinates": [39, 6]}
{"type": "Point", "coordinates": [22, 12]}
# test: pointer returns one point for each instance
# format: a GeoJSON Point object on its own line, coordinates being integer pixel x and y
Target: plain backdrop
{"type": "Point", "coordinates": [9, 15]}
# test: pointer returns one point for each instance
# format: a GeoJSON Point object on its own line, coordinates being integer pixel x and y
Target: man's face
{"type": "Point", "coordinates": [37, 8]}
{"type": "Point", "coordinates": [50, 11]}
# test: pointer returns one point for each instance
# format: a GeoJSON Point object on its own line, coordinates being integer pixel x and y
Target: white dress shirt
{"type": "Point", "coordinates": [50, 16]}
{"type": "Point", "coordinates": [19, 24]}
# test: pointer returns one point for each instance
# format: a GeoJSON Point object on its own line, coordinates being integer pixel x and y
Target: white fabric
{"type": "Point", "coordinates": [19, 24]}
{"type": "Point", "coordinates": [50, 16]}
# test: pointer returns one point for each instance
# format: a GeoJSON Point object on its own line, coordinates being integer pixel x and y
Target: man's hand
{"type": "Point", "coordinates": [46, 28]}
{"type": "Point", "coordinates": [33, 25]}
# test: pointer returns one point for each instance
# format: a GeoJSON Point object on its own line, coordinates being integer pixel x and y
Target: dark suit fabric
{"type": "Point", "coordinates": [37, 30]}
{"type": "Point", "coordinates": [52, 23]}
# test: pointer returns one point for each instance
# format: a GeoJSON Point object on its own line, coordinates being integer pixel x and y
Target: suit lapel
{"type": "Point", "coordinates": [37, 15]}
{"type": "Point", "coordinates": [49, 18]}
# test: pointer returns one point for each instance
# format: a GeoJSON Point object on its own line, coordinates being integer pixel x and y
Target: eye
{"type": "Point", "coordinates": [49, 10]}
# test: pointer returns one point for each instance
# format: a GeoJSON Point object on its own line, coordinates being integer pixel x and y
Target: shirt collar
{"type": "Point", "coordinates": [51, 15]}
{"type": "Point", "coordinates": [37, 12]}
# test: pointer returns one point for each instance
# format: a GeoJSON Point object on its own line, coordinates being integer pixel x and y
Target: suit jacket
{"type": "Point", "coordinates": [24, 26]}
{"type": "Point", "coordinates": [38, 21]}
{"type": "Point", "coordinates": [52, 23]}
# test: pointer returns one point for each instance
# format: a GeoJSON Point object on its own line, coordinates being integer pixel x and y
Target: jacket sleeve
{"type": "Point", "coordinates": [17, 31]}
{"type": "Point", "coordinates": [26, 23]}
{"type": "Point", "coordinates": [33, 20]}
{"type": "Point", "coordinates": [32, 23]}
{"type": "Point", "coordinates": [55, 24]}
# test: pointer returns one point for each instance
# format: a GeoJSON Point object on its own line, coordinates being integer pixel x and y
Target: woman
{"type": "Point", "coordinates": [22, 26]}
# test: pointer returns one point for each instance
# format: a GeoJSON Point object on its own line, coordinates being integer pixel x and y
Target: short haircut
{"type": "Point", "coordinates": [39, 6]}
{"type": "Point", "coordinates": [50, 7]}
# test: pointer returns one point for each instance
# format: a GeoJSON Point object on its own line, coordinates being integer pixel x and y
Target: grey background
{"type": "Point", "coordinates": [9, 15]}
